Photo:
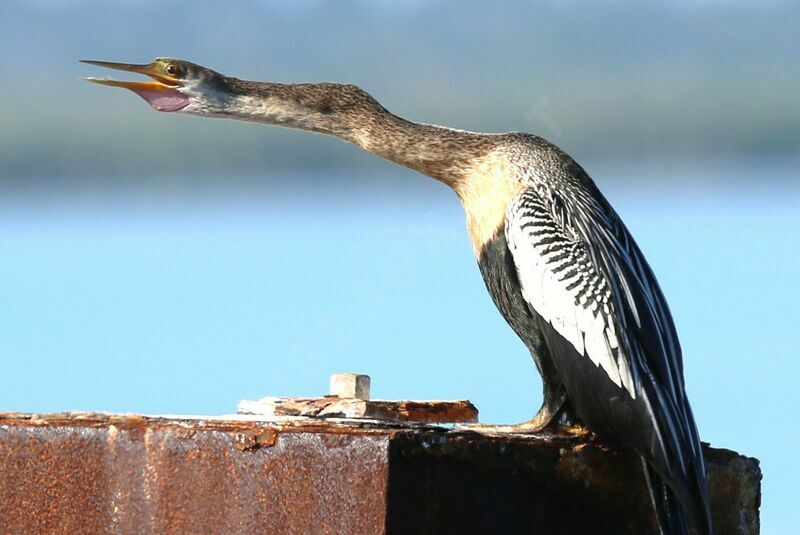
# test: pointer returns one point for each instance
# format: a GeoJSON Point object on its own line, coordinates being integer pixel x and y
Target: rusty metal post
{"type": "Point", "coordinates": [96, 473]}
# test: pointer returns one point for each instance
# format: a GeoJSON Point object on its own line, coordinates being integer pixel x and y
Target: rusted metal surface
{"type": "Point", "coordinates": [554, 486]}
{"type": "Point", "coordinates": [432, 412]}
{"type": "Point", "coordinates": [136, 475]}
{"type": "Point", "coordinates": [96, 473]}
{"type": "Point", "coordinates": [734, 482]}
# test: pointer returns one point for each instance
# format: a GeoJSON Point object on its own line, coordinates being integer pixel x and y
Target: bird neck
{"type": "Point", "coordinates": [348, 112]}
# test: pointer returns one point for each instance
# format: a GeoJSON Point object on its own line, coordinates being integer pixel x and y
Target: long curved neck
{"type": "Point", "coordinates": [350, 113]}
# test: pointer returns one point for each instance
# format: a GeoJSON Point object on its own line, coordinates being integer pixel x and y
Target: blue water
{"type": "Point", "coordinates": [132, 303]}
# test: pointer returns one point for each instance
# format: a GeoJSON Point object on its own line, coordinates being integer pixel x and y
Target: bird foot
{"type": "Point", "coordinates": [527, 428]}
{"type": "Point", "coordinates": [576, 430]}
{"type": "Point", "coordinates": [536, 425]}
{"type": "Point", "coordinates": [523, 428]}
{"type": "Point", "coordinates": [544, 423]}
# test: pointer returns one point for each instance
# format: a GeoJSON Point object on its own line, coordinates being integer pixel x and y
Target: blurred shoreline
{"type": "Point", "coordinates": [662, 81]}
{"type": "Point", "coordinates": [759, 186]}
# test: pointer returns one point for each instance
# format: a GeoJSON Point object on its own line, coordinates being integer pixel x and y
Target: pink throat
{"type": "Point", "coordinates": [169, 100]}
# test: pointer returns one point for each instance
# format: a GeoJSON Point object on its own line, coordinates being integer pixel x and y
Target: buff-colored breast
{"type": "Point", "coordinates": [486, 189]}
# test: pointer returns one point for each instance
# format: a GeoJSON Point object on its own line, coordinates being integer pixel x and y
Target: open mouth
{"type": "Point", "coordinates": [161, 93]}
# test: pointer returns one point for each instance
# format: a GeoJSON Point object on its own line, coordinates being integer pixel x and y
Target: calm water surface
{"type": "Point", "coordinates": [120, 302]}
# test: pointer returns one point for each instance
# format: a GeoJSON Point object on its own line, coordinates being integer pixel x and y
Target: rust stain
{"type": "Point", "coordinates": [252, 440]}
{"type": "Point", "coordinates": [421, 412]}
{"type": "Point", "coordinates": [98, 473]}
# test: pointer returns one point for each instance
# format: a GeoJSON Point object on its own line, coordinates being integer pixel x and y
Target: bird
{"type": "Point", "coordinates": [557, 260]}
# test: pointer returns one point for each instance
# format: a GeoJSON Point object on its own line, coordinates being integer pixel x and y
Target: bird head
{"type": "Point", "coordinates": [176, 85]}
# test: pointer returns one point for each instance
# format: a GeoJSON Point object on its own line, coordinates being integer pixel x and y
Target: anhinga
{"type": "Point", "coordinates": [556, 258]}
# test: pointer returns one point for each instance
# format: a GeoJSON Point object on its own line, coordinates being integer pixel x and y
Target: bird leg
{"type": "Point", "coordinates": [553, 419]}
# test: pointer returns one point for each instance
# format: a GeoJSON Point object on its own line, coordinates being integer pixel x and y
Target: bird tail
{"type": "Point", "coordinates": [673, 518]}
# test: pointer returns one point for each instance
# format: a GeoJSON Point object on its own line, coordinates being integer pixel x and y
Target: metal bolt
{"type": "Point", "coordinates": [350, 385]}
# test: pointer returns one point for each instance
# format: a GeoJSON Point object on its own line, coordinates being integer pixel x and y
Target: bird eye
{"type": "Point", "coordinates": [172, 70]}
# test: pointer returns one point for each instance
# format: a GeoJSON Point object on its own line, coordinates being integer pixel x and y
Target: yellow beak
{"type": "Point", "coordinates": [161, 81]}
{"type": "Point", "coordinates": [162, 93]}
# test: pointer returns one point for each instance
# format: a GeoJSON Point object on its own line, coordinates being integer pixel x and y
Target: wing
{"type": "Point", "coordinates": [611, 334]}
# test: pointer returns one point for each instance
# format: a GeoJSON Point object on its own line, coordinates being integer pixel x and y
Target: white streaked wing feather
{"type": "Point", "coordinates": [572, 300]}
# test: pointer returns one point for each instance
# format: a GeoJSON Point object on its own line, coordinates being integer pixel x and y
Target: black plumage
{"type": "Point", "coordinates": [568, 243]}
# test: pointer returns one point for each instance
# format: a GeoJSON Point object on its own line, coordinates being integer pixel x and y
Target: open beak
{"type": "Point", "coordinates": [160, 83]}
{"type": "Point", "coordinates": [161, 93]}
